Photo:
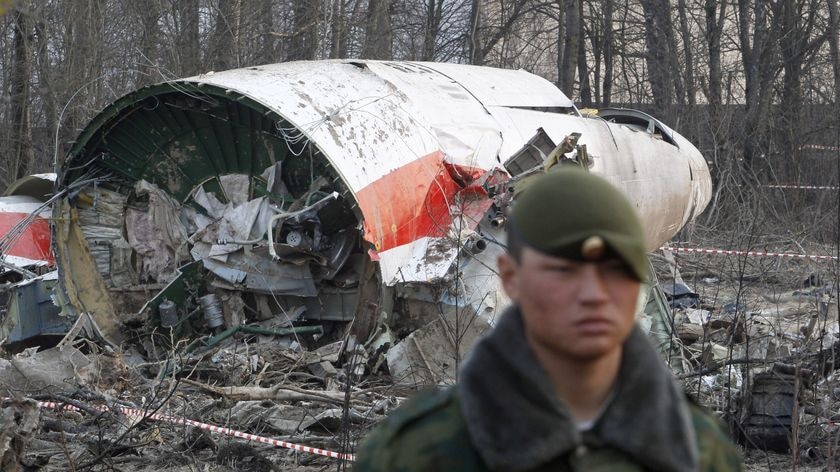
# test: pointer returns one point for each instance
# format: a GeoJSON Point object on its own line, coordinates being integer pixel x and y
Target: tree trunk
{"type": "Point", "coordinates": [148, 12]}
{"type": "Point", "coordinates": [474, 48]}
{"type": "Point", "coordinates": [433, 19]}
{"type": "Point", "coordinates": [594, 30]}
{"type": "Point", "coordinates": [583, 67]}
{"type": "Point", "coordinates": [268, 51]}
{"type": "Point", "coordinates": [22, 154]}
{"type": "Point", "coordinates": [46, 90]}
{"type": "Point", "coordinates": [224, 40]}
{"type": "Point", "coordinates": [792, 52]}
{"type": "Point", "coordinates": [304, 42]}
{"type": "Point", "coordinates": [561, 38]}
{"type": "Point", "coordinates": [833, 31]}
{"type": "Point", "coordinates": [338, 30]}
{"type": "Point", "coordinates": [571, 46]}
{"type": "Point", "coordinates": [378, 35]}
{"type": "Point", "coordinates": [187, 39]}
{"type": "Point", "coordinates": [659, 54]}
{"type": "Point", "coordinates": [760, 64]}
{"type": "Point", "coordinates": [688, 55]}
{"type": "Point", "coordinates": [606, 95]}
{"type": "Point", "coordinates": [714, 31]}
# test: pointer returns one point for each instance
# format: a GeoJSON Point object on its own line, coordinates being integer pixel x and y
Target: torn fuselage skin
{"type": "Point", "coordinates": [369, 191]}
{"type": "Point", "coordinates": [196, 178]}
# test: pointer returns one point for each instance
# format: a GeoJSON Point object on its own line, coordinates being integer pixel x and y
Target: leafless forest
{"type": "Point", "coordinates": [753, 83]}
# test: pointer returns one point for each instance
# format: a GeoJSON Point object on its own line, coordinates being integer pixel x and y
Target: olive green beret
{"type": "Point", "coordinates": [573, 214]}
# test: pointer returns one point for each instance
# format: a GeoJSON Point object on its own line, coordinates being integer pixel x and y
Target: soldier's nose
{"type": "Point", "coordinates": [592, 288]}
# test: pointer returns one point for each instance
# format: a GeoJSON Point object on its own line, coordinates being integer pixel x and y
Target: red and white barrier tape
{"type": "Point", "coordinates": [213, 428]}
{"type": "Point", "coordinates": [728, 252]}
{"type": "Point", "coordinates": [820, 147]}
{"type": "Point", "coordinates": [801, 187]}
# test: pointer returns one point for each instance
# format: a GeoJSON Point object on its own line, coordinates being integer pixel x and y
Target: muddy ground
{"type": "Point", "coordinates": [752, 319]}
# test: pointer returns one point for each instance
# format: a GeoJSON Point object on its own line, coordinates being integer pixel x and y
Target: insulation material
{"type": "Point", "coordinates": [101, 215]}
{"type": "Point", "coordinates": [157, 234]}
{"type": "Point", "coordinates": [122, 270]}
{"type": "Point", "coordinates": [209, 202]}
{"type": "Point", "coordinates": [245, 222]}
{"type": "Point", "coordinates": [274, 183]}
{"type": "Point", "coordinates": [194, 222]}
{"type": "Point", "coordinates": [236, 187]}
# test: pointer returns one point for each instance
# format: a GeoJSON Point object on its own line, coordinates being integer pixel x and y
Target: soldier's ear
{"type": "Point", "coordinates": [509, 274]}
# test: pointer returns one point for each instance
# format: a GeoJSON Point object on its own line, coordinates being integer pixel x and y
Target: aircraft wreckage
{"type": "Point", "coordinates": [333, 192]}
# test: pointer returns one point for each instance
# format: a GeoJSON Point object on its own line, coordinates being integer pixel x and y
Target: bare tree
{"type": "Point", "coordinates": [606, 95]}
{"type": "Point", "coordinates": [583, 63]}
{"type": "Point", "coordinates": [187, 38]}
{"type": "Point", "coordinates": [571, 42]}
{"type": "Point", "coordinates": [796, 46]}
{"type": "Point", "coordinates": [44, 85]}
{"type": "Point", "coordinates": [688, 55]}
{"type": "Point", "coordinates": [378, 34]}
{"type": "Point", "coordinates": [665, 86]}
{"type": "Point", "coordinates": [434, 16]}
{"type": "Point", "coordinates": [474, 48]}
{"type": "Point", "coordinates": [833, 31]}
{"type": "Point", "coordinates": [715, 13]}
{"type": "Point", "coordinates": [759, 53]}
{"type": "Point", "coordinates": [148, 13]}
{"type": "Point", "coordinates": [338, 29]}
{"type": "Point", "coordinates": [304, 38]}
{"type": "Point", "coordinates": [267, 50]}
{"type": "Point", "coordinates": [224, 49]}
{"type": "Point", "coordinates": [21, 155]}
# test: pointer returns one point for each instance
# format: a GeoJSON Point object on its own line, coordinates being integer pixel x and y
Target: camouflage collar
{"type": "Point", "coordinates": [517, 422]}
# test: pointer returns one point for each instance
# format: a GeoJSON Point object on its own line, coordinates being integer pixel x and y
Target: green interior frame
{"type": "Point", "coordinates": [183, 135]}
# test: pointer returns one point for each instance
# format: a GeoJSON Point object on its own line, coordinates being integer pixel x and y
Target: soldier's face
{"type": "Point", "coordinates": [576, 310]}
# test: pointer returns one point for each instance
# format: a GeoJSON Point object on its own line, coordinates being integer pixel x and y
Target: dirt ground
{"type": "Point", "coordinates": [752, 317]}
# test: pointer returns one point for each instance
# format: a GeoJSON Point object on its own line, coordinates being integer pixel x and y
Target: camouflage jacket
{"type": "Point", "coordinates": [503, 415]}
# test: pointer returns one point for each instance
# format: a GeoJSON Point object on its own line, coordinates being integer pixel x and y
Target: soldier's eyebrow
{"type": "Point", "coordinates": [557, 263]}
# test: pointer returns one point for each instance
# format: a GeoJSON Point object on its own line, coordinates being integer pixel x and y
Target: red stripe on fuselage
{"type": "Point", "coordinates": [34, 243]}
{"type": "Point", "coordinates": [411, 202]}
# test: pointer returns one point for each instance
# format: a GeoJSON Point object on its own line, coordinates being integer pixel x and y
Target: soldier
{"type": "Point", "coordinates": [565, 380]}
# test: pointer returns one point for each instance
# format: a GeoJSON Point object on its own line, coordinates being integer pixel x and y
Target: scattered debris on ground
{"type": "Point", "coordinates": [762, 354]}
{"type": "Point", "coordinates": [758, 340]}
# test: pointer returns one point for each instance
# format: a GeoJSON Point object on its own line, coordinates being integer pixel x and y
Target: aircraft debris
{"type": "Point", "coordinates": [293, 256]}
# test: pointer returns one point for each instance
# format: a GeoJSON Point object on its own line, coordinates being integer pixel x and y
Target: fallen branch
{"type": "Point", "coordinates": [721, 364]}
{"type": "Point", "coordinates": [277, 393]}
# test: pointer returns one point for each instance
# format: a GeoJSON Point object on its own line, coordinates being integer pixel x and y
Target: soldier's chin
{"type": "Point", "coordinates": [587, 352]}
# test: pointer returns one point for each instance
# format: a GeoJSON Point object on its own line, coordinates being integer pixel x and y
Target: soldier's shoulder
{"type": "Point", "coordinates": [433, 408]}
{"type": "Point", "coordinates": [426, 433]}
{"type": "Point", "coordinates": [718, 452]}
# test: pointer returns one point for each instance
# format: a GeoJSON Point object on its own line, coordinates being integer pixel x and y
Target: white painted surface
{"type": "Point", "coordinates": [369, 118]}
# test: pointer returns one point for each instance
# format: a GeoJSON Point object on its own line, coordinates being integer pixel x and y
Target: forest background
{"type": "Point", "coordinates": [753, 83]}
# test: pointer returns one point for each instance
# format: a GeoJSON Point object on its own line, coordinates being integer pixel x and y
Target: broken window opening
{"type": "Point", "coordinates": [556, 110]}
{"type": "Point", "coordinates": [640, 121]}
